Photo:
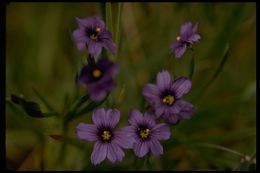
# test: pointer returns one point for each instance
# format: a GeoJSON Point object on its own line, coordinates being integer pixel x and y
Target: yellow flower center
{"type": "Point", "coordinates": [106, 135]}
{"type": "Point", "coordinates": [94, 35]}
{"type": "Point", "coordinates": [144, 133]}
{"type": "Point", "coordinates": [96, 73]}
{"type": "Point", "coordinates": [169, 100]}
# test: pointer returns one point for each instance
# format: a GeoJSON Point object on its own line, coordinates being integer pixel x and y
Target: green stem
{"type": "Point", "coordinates": [63, 145]}
{"type": "Point", "coordinates": [109, 20]}
{"type": "Point", "coordinates": [215, 74]}
{"type": "Point", "coordinates": [71, 113]}
{"type": "Point", "coordinates": [118, 23]}
{"type": "Point", "coordinates": [49, 107]}
{"type": "Point", "coordinates": [222, 148]}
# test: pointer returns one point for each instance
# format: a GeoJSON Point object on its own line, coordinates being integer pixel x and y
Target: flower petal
{"type": "Point", "coordinates": [98, 95]}
{"type": "Point", "coordinates": [161, 131]}
{"type": "Point", "coordinates": [79, 35]}
{"type": "Point", "coordinates": [81, 46]}
{"type": "Point", "coordinates": [98, 116]}
{"type": "Point", "coordinates": [135, 117]}
{"type": "Point", "coordinates": [163, 80]}
{"type": "Point", "coordinates": [105, 35]}
{"type": "Point", "coordinates": [140, 149]}
{"type": "Point", "coordinates": [124, 138]}
{"type": "Point", "coordinates": [112, 117]}
{"type": "Point", "coordinates": [94, 48]}
{"type": "Point", "coordinates": [110, 85]}
{"type": "Point", "coordinates": [159, 110]}
{"type": "Point", "coordinates": [90, 22]}
{"type": "Point", "coordinates": [84, 76]}
{"type": "Point", "coordinates": [186, 29]}
{"type": "Point", "coordinates": [149, 119]}
{"type": "Point", "coordinates": [97, 22]}
{"type": "Point", "coordinates": [186, 109]}
{"type": "Point", "coordinates": [194, 38]}
{"type": "Point", "coordinates": [115, 153]}
{"type": "Point", "coordinates": [83, 23]}
{"type": "Point", "coordinates": [156, 147]}
{"type": "Point", "coordinates": [109, 45]}
{"type": "Point", "coordinates": [128, 129]}
{"type": "Point", "coordinates": [171, 118]}
{"type": "Point", "coordinates": [86, 132]}
{"type": "Point", "coordinates": [181, 86]}
{"type": "Point", "coordinates": [151, 92]}
{"type": "Point", "coordinates": [179, 51]}
{"type": "Point", "coordinates": [195, 28]}
{"type": "Point", "coordinates": [110, 68]}
{"type": "Point", "coordinates": [99, 153]}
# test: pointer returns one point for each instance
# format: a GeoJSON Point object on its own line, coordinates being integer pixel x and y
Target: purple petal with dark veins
{"type": "Point", "coordinates": [140, 149]}
{"type": "Point", "coordinates": [163, 80]}
{"type": "Point", "coordinates": [181, 86]}
{"type": "Point", "coordinates": [114, 153]}
{"type": "Point", "coordinates": [135, 117]}
{"type": "Point", "coordinates": [151, 92]}
{"type": "Point", "coordinates": [155, 147]}
{"type": "Point", "coordinates": [86, 132]}
{"type": "Point", "coordinates": [161, 131]}
{"type": "Point", "coordinates": [99, 153]}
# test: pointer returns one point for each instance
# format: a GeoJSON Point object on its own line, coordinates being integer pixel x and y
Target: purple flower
{"type": "Point", "coordinates": [165, 97]}
{"type": "Point", "coordinates": [109, 143]}
{"type": "Point", "coordinates": [146, 133]}
{"type": "Point", "coordinates": [93, 34]}
{"type": "Point", "coordinates": [187, 37]}
{"type": "Point", "coordinates": [98, 78]}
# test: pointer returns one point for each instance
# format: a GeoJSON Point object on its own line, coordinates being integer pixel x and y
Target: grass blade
{"type": "Point", "coordinates": [222, 148]}
{"type": "Point", "coordinates": [221, 65]}
{"type": "Point", "coordinates": [215, 74]}
{"type": "Point", "coordinates": [91, 106]}
{"type": "Point", "coordinates": [109, 17]}
{"type": "Point", "coordinates": [117, 32]}
{"type": "Point", "coordinates": [45, 102]}
{"type": "Point", "coordinates": [71, 113]}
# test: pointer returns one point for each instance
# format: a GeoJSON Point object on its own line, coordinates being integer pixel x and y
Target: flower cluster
{"type": "Point", "coordinates": [143, 134]}
{"type": "Point", "coordinates": [96, 76]}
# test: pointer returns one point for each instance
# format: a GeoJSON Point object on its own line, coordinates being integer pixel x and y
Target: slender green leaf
{"type": "Point", "coordinates": [31, 108]}
{"type": "Point", "coordinates": [46, 103]}
{"type": "Point", "coordinates": [215, 74]}
{"type": "Point", "coordinates": [109, 17]}
{"type": "Point", "coordinates": [221, 148]}
{"type": "Point", "coordinates": [221, 65]}
{"type": "Point", "coordinates": [118, 19]}
{"type": "Point", "coordinates": [79, 102]}
{"type": "Point", "coordinates": [71, 113]}
{"type": "Point", "coordinates": [91, 106]}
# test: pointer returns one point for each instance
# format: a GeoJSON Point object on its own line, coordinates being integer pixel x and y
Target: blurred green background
{"type": "Point", "coordinates": [40, 53]}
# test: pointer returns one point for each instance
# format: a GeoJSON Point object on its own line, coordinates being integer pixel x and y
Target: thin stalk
{"type": "Point", "coordinates": [223, 148]}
